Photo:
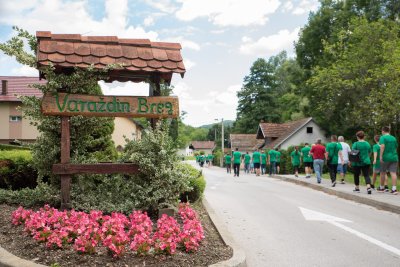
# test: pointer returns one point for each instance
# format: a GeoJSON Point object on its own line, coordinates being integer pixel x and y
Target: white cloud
{"type": "Point", "coordinates": [228, 12]}
{"type": "Point", "coordinates": [287, 6]}
{"type": "Point", "coordinates": [126, 88]}
{"type": "Point", "coordinates": [186, 44]}
{"type": "Point", "coordinates": [167, 6]}
{"type": "Point", "coordinates": [148, 21]}
{"type": "Point", "coordinates": [61, 16]}
{"type": "Point", "coordinates": [267, 46]}
{"type": "Point", "coordinates": [25, 71]}
{"type": "Point", "coordinates": [301, 7]}
{"type": "Point", "coordinates": [188, 63]}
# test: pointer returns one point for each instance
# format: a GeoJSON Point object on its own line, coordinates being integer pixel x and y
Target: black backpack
{"type": "Point", "coordinates": [354, 155]}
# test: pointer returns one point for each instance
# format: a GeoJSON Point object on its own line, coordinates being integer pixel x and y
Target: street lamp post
{"type": "Point", "coordinates": [222, 141]}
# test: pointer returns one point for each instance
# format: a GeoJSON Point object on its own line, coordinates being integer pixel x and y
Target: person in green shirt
{"type": "Point", "coordinates": [202, 158]}
{"type": "Point", "coordinates": [278, 160]}
{"type": "Point", "coordinates": [363, 165]}
{"type": "Point", "coordinates": [228, 162]}
{"type": "Point", "coordinates": [247, 159]}
{"type": "Point", "coordinates": [332, 155]}
{"type": "Point", "coordinates": [376, 150]}
{"type": "Point", "coordinates": [272, 162]}
{"type": "Point", "coordinates": [264, 163]}
{"type": "Point", "coordinates": [295, 156]}
{"type": "Point", "coordinates": [256, 161]}
{"type": "Point", "coordinates": [307, 159]}
{"type": "Point", "coordinates": [237, 159]}
{"type": "Point", "coordinates": [389, 159]}
{"type": "Point", "coordinates": [209, 159]}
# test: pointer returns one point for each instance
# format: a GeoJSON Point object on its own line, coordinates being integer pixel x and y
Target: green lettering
{"type": "Point", "coordinates": [168, 106]}
{"type": "Point", "coordinates": [75, 106]}
{"type": "Point", "coordinates": [142, 103]}
{"type": "Point", "coordinates": [112, 108]}
{"type": "Point", "coordinates": [101, 105]}
{"type": "Point", "coordinates": [125, 107]}
{"type": "Point", "coordinates": [61, 108]}
{"type": "Point", "coordinates": [152, 106]}
{"type": "Point", "coordinates": [92, 106]}
{"type": "Point", "coordinates": [82, 105]}
{"type": "Point", "coordinates": [160, 108]}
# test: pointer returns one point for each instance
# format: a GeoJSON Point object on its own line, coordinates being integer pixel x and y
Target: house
{"type": "Point", "coordinates": [206, 146]}
{"type": "Point", "coordinates": [284, 135]}
{"type": "Point", "coordinates": [15, 127]}
{"type": "Point", "coordinates": [245, 142]}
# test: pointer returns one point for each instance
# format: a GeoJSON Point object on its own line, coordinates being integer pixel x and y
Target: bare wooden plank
{"type": "Point", "coordinates": [110, 106]}
{"type": "Point", "coordinates": [98, 168]}
{"type": "Point", "coordinates": [65, 158]}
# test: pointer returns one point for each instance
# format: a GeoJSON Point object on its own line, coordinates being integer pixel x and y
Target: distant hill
{"type": "Point", "coordinates": [209, 126]}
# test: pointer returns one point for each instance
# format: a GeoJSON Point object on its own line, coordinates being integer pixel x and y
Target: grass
{"type": "Point", "coordinates": [349, 178]}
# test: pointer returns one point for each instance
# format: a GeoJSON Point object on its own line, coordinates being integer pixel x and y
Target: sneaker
{"type": "Point", "coordinates": [319, 182]}
{"type": "Point", "coordinates": [342, 182]}
{"type": "Point", "coordinates": [369, 191]}
{"type": "Point", "coordinates": [356, 190]}
{"type": "Point", "coordinates": [373, 186]}
{"type": "Point", "coordinates": [386, 190]}
{"type": "Point", "coordinates": [296, 176]}
{"type": "Point", "coordinates": [334, 184]}
{"type": "Point", "coordinates": [380, 190]}
{"type": "Point", "coordinates": [393, 192]}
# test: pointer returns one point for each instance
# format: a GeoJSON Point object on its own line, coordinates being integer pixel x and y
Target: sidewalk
{"type": "Point", "coordinates": [383, 201]}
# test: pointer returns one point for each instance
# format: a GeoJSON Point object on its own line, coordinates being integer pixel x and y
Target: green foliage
{"type": "Point", "coordinates": [16, 155]}
{"type": "Point", "coordinates": [16, 169]}
{"type": "Point", "coordinates": [40, 195]}
{"type": "Point", "coordinates": [13, 147]}
{"type": "Point", "coordinates": [217, 157]}
{"type": "Point", "coordinates": [197, 183]}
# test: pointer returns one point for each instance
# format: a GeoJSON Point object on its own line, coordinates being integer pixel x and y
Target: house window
{"type": "Point", "coordinates": [309, 130]}
{"type": "Point", "coordinates": [15, 118]}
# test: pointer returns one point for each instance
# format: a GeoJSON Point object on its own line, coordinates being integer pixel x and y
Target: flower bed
{"type": "Point", "coordinates": [118, 233]}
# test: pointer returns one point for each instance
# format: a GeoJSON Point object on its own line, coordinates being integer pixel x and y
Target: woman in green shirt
{"type": "Point", "coordinates": [363, 165]}
{"type": "Point", "coordinates": [295, 155]}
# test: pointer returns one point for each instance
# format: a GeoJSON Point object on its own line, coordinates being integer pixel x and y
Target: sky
{"type": "Point", "coordinates": [220, 40]}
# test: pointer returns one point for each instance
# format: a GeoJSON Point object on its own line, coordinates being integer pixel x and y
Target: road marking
{"type": "Point", "coordinates": [311, 215]}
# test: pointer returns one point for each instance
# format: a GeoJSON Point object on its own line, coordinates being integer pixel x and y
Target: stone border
{"type": "Point", "coordinates": [9, 260]}
{"type": "Point", "coordinates": [239, 258]}
{"type": "Point", "coordinates": [356, 198]}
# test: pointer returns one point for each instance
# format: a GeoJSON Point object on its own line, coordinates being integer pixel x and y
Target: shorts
{"type": "Point", "coordinates": [207, 161]}
{"type": "Point", "coordinates": [296, 168]}
{"type": "Point", "coordinates": [377, 170]}
{"type": "Point", "coordinates": [342, 168]}
{"type": "Point", "coordinates": [308, 164]}
{"type": "Point", "coordinates": [256, 165]}
{"type": "Point", "coordinates": [389, 166]}
{"type": "Point", "coordinates": [277, 164]}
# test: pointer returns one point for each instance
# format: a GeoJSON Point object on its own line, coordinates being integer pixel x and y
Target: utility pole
{"type": "Point", "coordinates": [222, 141]}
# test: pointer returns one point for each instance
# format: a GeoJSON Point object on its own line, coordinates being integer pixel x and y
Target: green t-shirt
{"type": "Point", "coordinates": [236, 157]}
{"type": "Point", "coordinates": [390, 152]}
{"type": "Point", "coordinates": [377, 149]}
{"type": "Point", "coordinates": [306, 154]}
{"type": "Point", "coordinates": [210, 157]}
{"type": "Point", "coordinates": [295, 155]}
{"type": "Point", "coordinates": [263, 158]}
{"type": "Point", "coordinates": [278, 156]}
{"type": "Point", "coordinates": [333, 152]}
{"type": "Point", "coordinates": [247, 159]}
{"type": "Point", "coordinates": [365, 149]}
{"type": "Point", "coordinates": [256, 157]}
{"type": "Point", "coordinates": [272, 156]}
{"type": "Point", "coordinates": [228, 159]}
{"type": "Point", "coordinates": [202, 158]}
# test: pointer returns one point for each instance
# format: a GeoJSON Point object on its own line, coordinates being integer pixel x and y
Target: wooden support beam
{"type": "Point", "coordinates": [98, 168]}
{"type": "Point", "coordinates": [65, 158]}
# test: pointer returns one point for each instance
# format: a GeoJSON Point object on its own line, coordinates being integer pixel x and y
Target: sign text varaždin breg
{"type": "Point", "coordinates": [110, 106]}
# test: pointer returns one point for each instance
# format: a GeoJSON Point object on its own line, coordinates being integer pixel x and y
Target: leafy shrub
{"type": "Point", "coordinates": [16, 169]}
{"type": "Point", "coordinates": [13, 147]}
{"type": "Point", "coordinates": [197, 183]}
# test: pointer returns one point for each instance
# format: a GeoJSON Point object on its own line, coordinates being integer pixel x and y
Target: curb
{"type": "Point", "coordinates": [9, 260]}
{"type": "Point", "coordinates": [239, 258]}
{"type": "Point", "coordinates": [359, 199]}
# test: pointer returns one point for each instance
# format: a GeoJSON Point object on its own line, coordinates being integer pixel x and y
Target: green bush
{"type": "Point", "coordinates": [197, 183]}
{"type": "Point", "coordinates": [217, 157]}
{"type": "Point", "coordinates": [16, 170]}
{"type": "Point", "coordinates": [13, 147]}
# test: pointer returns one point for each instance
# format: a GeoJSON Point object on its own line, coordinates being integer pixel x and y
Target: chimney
{"type": "Point", "coordinates": [4, 87]}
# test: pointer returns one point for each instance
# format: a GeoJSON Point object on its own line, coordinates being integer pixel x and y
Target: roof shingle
{"type": "Point", "coordinates": [197, 145]}
{"type": "Point", "coordinates": [19, 86]}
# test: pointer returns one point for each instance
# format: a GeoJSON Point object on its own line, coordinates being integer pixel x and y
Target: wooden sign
{"type": "Point", "coordinates": [110, 106]}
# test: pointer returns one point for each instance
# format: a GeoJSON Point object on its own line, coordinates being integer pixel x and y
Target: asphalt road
{"type": "Point", "coordinates": [283, 224]}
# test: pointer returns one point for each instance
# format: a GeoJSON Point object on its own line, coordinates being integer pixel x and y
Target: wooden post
{"type": "Point", "coordinates": [65, 158]}
{"type": "Point", "coordinates": [154, 90]}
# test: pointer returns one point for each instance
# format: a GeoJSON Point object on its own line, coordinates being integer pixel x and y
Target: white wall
{"type": "Point", "coordinates": [303, 137]}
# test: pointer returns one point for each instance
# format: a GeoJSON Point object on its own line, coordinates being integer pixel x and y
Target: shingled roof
{"type": "Point", "coordinates": [19, 86]}
{"type": "Point", "coordinates": [198, 145]}
{"type": "Point", "coordinates": [245, 142]}
{"type": "Point", "coordinates": [141, 59]}
{"type": "Point", "coordinates": [278, 133]}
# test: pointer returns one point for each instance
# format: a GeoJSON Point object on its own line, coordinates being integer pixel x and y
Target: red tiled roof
{"type": "Point", "coordinates": [279, 132]}
{"type": "Point", "coordinates": [136, 55]}
{"type": "Point", "coordinates": [244, 142]}
{"type": "Point", "coordinates": [203, 145]}
{"type": "Point", "coordinates": [19, 86]}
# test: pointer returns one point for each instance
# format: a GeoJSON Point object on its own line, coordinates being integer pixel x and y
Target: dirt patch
{"type": "Point", "coordinates": [17, 242]}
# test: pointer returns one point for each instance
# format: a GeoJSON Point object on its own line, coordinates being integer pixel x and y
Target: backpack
{"type": "Point", "coordinates": [354, 155]}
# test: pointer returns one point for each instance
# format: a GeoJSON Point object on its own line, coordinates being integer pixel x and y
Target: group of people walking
{"type": "Point", "coordinates": [337, 155]}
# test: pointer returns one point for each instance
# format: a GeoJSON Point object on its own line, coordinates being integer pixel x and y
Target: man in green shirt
{"type": "Point", "coordinates": [256, 161]}
{"type": "Point", "coordinates": [247, 159]}
{"type": "Point", "coordinates": [278, 160]}
{"type": "Point", "coordinates": [202, 158]}
{"type": "Point", "coordinates": [332, 156]}
{"type": "Point", "coordinates": [264, 163]}
{"type": "Point", "coordinates": [272, 162]}
{"type": "Point", "coordinates": [209, 159]}
{"type": "Point", "coordinates": [237, 158]}
{"type": "Point", "coordinates": [388, 158]}
{"type": "Point", "coordinates": [295, 156]}
{"type": "Point", "coordinates": [228, 162]}
{"type": "Point", "coordinates": [307, 159]}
